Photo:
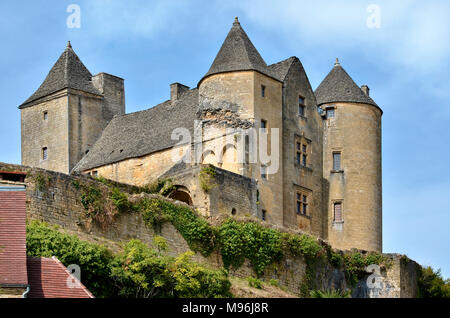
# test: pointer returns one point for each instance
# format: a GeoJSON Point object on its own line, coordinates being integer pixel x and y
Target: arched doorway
{"type": "Point", "coordinates": [181, 194]}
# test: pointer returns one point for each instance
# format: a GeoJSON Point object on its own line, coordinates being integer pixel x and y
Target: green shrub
{"type": "Point", "coordinates": [140, 272]}
{"type": "Point", "coordinates": [254, 282]}
{"type": "Point", "coordinates": [432, 285]}
{"type": "Point", "coordinates": [330, 294]}
{"type": "Point", "coordinates": [46, 241]}
{"type": "Point", "coordinates": [274, 282]}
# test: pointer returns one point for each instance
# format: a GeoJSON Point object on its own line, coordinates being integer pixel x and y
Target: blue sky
{"type": "Point", "coordinates": [151, 44]}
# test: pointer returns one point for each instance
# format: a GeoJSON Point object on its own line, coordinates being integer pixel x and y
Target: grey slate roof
{"type": "Point", "coordinates": [338, 86]}
{"type": "Point", "coordinates": [141, 133]}
{"type": "Point", "coordinates": [280, 69]}
{"type": "Point", "coordinates": [238, 54]}
{"type": "Point", "coordinates": [68, 72]}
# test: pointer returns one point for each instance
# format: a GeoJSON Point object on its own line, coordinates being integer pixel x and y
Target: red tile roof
{"type": "Point", "coordinates": [49, 278]}
{"type": "Point", "coordinates": [13, 265]}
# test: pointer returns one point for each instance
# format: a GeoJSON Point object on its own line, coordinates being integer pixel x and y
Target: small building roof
{"type": "Point", "coordinates": [13, 268]}
{"type": "Point", "coordinates": [338, 86]}
{"type": "Point", "coordinates": [49, 278]}
{"type": "Point", "coordinates": [68, 72]}
{"type": "Point", "coordinates": [141, 133]}
{"type": "Point", "coordinates": [238, 54]}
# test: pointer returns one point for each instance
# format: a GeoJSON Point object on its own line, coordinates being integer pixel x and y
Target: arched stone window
{"type": "Point", "coordinates": [230, 158]}
{"type": "Point", "coordinates": [181, 194]}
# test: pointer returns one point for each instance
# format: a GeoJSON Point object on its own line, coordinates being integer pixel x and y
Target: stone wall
{"type": "Point", "coordinates": [59, 203]}
{"type": "Point", "coordinates": [305, 130]}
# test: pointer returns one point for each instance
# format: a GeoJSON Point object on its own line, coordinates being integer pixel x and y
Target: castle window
{"type": "Point", "coordinates": [263, 125]}
{"type": "Point", "coordinates": [263, 215]}
{"type": "Point", "coordinates": [264, 172]}
{"type": "Point", "coordinates": [336, 161]}
{"type": "Point", "coordinates": [337, 212]}
{"type": "Point", "coordinates": [263, 91]}
{"type": "Point", "coordinates": [302, 203]}
{"type": "Point", "coordinates": [45, 115]}
{"type": "Point", "coordinates": [233, 211]}
{"type": "Point", "coordinates": [95, 173]}
{"type": "Point", "coordinates": [304, 155]}
{"type": "Point", "coordinates": [301, 106]}
{"type": "Point", "coordinates": [330, 112]}
{"type": "Point", "coordinates": [44, 153]}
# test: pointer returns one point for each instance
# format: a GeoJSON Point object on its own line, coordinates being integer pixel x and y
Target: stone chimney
{"type": "Point", "coordinates": [176, 89]}
{"type": "Point", "coordinates": [365, 89]}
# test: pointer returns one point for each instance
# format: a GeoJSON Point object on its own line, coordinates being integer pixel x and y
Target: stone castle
{"type": "Point", "coordinates": [327, 180]}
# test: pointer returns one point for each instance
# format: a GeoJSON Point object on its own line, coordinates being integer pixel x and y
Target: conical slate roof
{"type": "Point", "coordinates": [68, 72]}
{"type": "Point", "coordinates": [238, 54]}
{"type": "Point", "coordinates": [338, 86]}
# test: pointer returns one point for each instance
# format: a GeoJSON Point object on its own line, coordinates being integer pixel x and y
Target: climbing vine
{"type": "Point", "coordinates": [235, 240]}
{"type": "Point", "coordinates": [206, 177]}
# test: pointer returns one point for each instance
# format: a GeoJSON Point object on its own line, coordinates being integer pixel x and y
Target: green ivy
{"type": "Point", "coordinates": [41, 182]}
{"type": "Point", "coordinates": [206, 178]}
{"type": "Point", "coordinates": [195, 230]}
{"type": "Point", "coordinates": [239, 240]}
{"type": "Point", "coordinates": [120, 200]}
{"type": "Point", "coordinates": [355, 264]}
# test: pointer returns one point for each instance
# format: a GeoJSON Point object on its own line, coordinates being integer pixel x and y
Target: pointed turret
{"type": "Point", "coordinates": [238, 54]}
{"type": "Point", "coordinates": [338, 86]}
{"type": "Point", "coordinates": [68, 72]}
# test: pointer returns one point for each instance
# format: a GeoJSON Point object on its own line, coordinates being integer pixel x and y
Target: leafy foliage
{"type": "Point", "coordinates": [138, 271]}
{"type": "Point", "coordinates": [141, 273]}
{"type": "Point", "coordinates": [355, 264]}
{"type": "Point", "coordinates": [238, 240]}
{"type": "Point", "coordinates": [330, 294]}
{"type": "Point", "coordinates": [432, 285]}
{"type": "Point", "coordinates": [120, 200]}
{"type": "Point", "coordinates": [254, 282]}
{"type": "Point", "coordinates": [46, 241]}
{"type": "Point", "coordinates": [161, 186]}
{"type": "Point", "coordinates": [206, 177]}
{"type": "Point", "coordinates": [195, 230]}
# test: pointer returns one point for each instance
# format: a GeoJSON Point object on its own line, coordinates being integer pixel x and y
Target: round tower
{"type": "Point", "coordinates": [352, 162]}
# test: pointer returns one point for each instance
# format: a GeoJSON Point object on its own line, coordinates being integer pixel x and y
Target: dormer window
{"type": "Point", "coordinates": [301, 106]}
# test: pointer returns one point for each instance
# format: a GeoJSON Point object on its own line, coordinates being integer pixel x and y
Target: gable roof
{"type": "Point", "coordinates": [13, 265]}
{"type": "Point", "coordinates": [338, 86]}
{"type": "Point", "coordinates": [68, 72]}
{"type": "Point", "coordinates": [238, 54]}
{"type": "Point", "coordinates": [141, 133]}
{"type": "Point", "coordinates": [49, 278]}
